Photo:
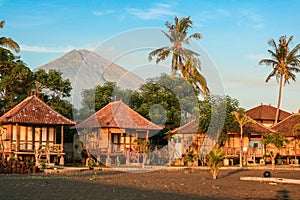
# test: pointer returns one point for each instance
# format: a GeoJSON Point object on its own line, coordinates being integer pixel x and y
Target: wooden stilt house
{"type": "Point", "coordinates": [115, 130]}
{"type": "Point", "coordinates": [31, 126]}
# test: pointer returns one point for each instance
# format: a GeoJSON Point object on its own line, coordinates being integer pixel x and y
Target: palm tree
{"type": "Point", "coordinates": [284, 63]}
{"type": "Point", "coordinates": [183, 59]}
{"type": "Point", "coordinates": [242, 120]}
{"type": "Point", "coordinates": [214, 159]}
{"type": "Point", "coordinates": [8, 42]}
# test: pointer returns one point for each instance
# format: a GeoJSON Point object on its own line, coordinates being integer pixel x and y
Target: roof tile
{"type": "Point", "coordinates": [118, 115]}
{"type": "Point", "coordinates": [33, 110]}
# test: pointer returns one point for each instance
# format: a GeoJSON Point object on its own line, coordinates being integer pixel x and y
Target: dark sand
{"type": "Point", "coordinates": [179, 184]}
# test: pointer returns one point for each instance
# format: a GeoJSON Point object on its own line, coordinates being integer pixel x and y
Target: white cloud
{"type": "Point", "coordinates": [105, 12]}
{"type": "Point", "coordinates": [253, 19]}
{"type": "Point", "coordinates": [255, 56]}
{"type": "Point", "coordinates": [158, 11]}
{"type": "Point", "coordinates": [40, 49]}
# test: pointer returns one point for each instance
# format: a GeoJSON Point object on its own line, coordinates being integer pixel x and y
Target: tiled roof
{"type": "Point", "coordinates": [286, 126]}
{"type": "Point", "coordinates": [266, 112]}
{"type": "Point", "coordinates": [118, 115]}
{"type": "Point", "coordinates": [190, 127]}
{"type": "Point", "coordinates": [256, 128]}
{"type": "Point", "coordinates": [32, 110]}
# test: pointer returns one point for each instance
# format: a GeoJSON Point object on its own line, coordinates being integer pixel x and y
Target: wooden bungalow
{"type": "Point", "coordinates": [115, 130]}
{"type": "Point", "coordinates": [187, 140]}
{"type": "Point", "coordinates": [265, 114]}
{"type": "Point", "coordinates": [286, 127]}
{"type": "Point", "coordinates": [30, 127]}
{"type": "Point", "coordinates": [252, 148]}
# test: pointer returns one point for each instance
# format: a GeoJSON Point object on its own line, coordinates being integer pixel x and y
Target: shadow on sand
{"type": "Point", "coordinates": [233, 172]}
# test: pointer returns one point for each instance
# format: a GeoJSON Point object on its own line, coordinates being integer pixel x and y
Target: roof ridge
{"type": "Point", "coordinates": [96, 113]}
{"type": "Point", "coordinates": [285, 119]}
{"type": "Point", "coordinates": [57, 113]}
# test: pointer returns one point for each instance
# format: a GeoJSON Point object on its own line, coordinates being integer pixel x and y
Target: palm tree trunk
{"type": "Point", "coordinates": [295, 146]}
{"type": "Point", "coordinates": [279, 100]}
{"type": "Point", "coordinates": [241, 148]}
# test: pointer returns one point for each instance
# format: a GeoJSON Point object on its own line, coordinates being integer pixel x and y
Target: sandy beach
{"type": "Point", "coordinates": [171, 184]}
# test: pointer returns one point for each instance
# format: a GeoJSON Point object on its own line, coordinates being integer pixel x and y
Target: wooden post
{"type": "Point", "coordinates": [62, 160]}
{"type": "Point", "coordinates": [18, 138]}
{"type": "Point", "coordinates": [147, 138]}
{"type": "Point", "coordinates": [62, 138]}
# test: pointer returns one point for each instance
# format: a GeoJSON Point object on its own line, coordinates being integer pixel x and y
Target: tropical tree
{"type": "Point", "coordinates": [8, 42]}
{"type": "Point", "coordinates": [15, 80]}
{"type": "Point", "coordinates": [215, 118]}
{"type": "Point", "coordinates": [53, 89]}
{"type": "Point", "coordinates": [242, 120]}
{"type": "Point", "coordinates": [276, 139]}
{"type": "Point", "coordinates": [183, 59]}
{"type": "Point", "coordinates": [96, 98]}
{"type": "Point", "coordinates": [214, 159]}
{"type": "Point", "coordinates": [285, 63]}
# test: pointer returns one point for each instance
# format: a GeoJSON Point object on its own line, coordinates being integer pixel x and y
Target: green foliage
{"type": "Point", "coordinates": [142, 145]}
{"type": "Point", "coordinates": [175, 97]}
{"type": "Point", "coordinates": [96, 98]}
{"type": "Point", "coordinates": [190, 157]}
{"type": "Point", "coordinates": [275, 138]}
{"type": "Point", "coordinates": [15, 80]}
{"type": "Point", "coordinates": [52, 83]}
{"type": "Point", "coordinates": [215, 117]}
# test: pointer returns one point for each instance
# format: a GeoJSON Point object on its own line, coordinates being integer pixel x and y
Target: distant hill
{"type": "Point", "coordinates": [86, 69]}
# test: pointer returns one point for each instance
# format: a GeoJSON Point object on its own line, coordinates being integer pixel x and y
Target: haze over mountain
{"type": "Point", "coordinates": [86, 69]}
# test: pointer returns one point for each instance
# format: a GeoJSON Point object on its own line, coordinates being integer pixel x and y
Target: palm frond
{"type": "Point", "coordinates": [8, 42]}
{"type": "Point", "coordinates": [193, 36]}
{"type": "Point", "coordinates": [156, 52]}
{"type": "Point", "coordinates": [171, 39]}
{"type": "Point", "coordinates": [2, 24]}
{"type": "Point", "coordinates": [272, 43]}
{"type": "Point", "coordinates": [273, 73]}
{"type": "Point", "coordinates": [268, 62]}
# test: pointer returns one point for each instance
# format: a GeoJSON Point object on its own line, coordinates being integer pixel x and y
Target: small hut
{"type": "Point", "coordinates": [115, 130]}
{"type": "Point", "coordinates": [33, 126]}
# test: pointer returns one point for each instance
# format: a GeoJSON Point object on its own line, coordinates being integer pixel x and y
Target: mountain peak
{"type": "Point", "coordinates": [86, 69]}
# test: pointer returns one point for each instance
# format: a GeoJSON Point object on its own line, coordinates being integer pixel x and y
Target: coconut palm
{"type": "Point", "coordinates": [214, 159]}
{"type": "Point", "coordinates": [285, 63]}
{"type": "Point", "coordinates": [183, 59]}
{"type": "Point", "coordinates": [8, 42]}
{"type": "Point", "coordinates": [242, 120]}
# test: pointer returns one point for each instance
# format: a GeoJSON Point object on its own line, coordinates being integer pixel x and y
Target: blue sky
{"type": "Point", "coordinates": [235, 35]}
